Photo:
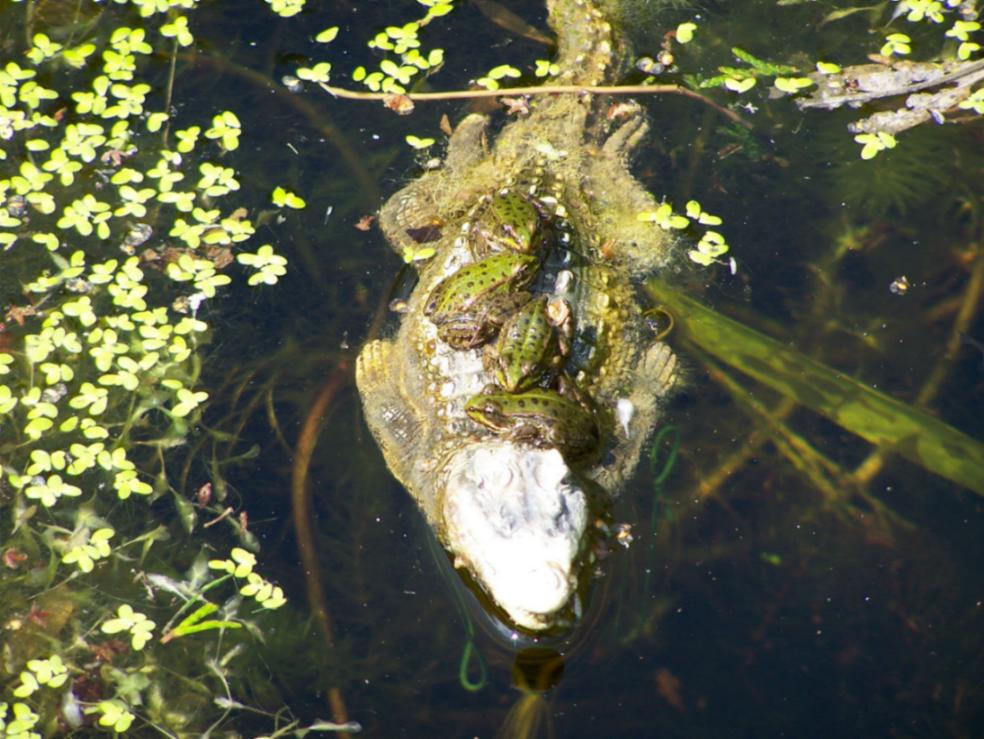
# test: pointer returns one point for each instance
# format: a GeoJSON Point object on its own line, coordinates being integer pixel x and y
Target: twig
{"type": "Point", "coordinates": [417, 97]}
{"type": "Point", "coordinates": [225, 514]}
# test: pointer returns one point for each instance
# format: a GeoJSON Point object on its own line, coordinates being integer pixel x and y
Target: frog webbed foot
{"type": "Point", "coordinates": [390, 417]}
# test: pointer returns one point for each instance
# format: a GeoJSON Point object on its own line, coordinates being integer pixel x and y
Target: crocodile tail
{"type": "Point", "coordinates": [589, 49]}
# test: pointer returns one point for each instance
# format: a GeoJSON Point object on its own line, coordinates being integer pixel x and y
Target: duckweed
{"type": "Point", "coordinates": [116, 232]}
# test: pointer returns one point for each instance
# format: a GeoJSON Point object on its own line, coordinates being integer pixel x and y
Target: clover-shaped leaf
{"type": "Point", "coordinates": [139, 626]}
{"type": "Point", "coordinates": [48, 491]}
{"type": "Point", "coordinates": [320, 72]}
{"type": "Point", "coordinates": [896, 43]}
{"type": "Point", "coordinates": [51, 671]}
{"type": "Point", "coordinates": [664, 217]}
{"type": "Point", "coordinates": [282, 197]}
{"type": "Point", "coordinates": [178, 30]}
{"type": "Point", "coordinates": [188, 401]}
{"type": "Point", "coordinates": [872, 143]}
{"type": "Point", "coordinates": [226, 128]}
{"type": "Point", "coordinates": [239, 564]}
{"type": "Point", "coordinates": [114, 715]}
{"type": "Point", "coordinates": [127, 483]}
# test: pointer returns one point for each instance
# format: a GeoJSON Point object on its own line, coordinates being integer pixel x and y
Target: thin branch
{"type": "Point", "coordinates": [417, 97]}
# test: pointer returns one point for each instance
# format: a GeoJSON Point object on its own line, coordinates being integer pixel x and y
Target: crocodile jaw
{"type": "Point", "coordinates": [515, 518]}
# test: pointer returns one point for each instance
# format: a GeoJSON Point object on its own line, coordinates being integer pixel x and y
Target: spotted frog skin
{"type": "Point", "coordinates": [539, 417]}
{"type": "Point", "coordinates": [515, 224]}
{"type": "Point", "coordinates": [527, 348]}
{"type": "Point", "coordinates": [469, 306]}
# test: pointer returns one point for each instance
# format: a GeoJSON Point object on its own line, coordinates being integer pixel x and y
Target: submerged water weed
{"type": "Point", "coordinates": [114, 232]}
{"type": "Point", "coordinates": [897, 181]}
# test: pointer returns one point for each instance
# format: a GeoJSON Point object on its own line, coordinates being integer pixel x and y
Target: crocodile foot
{"type": "Point", "coordinates": [638, 413]}
{"type": "Point", "coordinates": [390, 417]}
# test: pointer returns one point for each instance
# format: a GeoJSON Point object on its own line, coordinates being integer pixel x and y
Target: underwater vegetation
{"type": "Point", "coordinates": [117, 231]}
{"type": "Point", "coordinates": [157, 368]}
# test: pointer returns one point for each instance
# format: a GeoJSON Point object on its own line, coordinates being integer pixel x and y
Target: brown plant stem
{"type": "Point", "coordinates": [709, 485]}
{"type": "Point", "coordinates": [301, 508]}
{"type": "Point", "coordinates": [169, 93]}
{"type": "Point", "coordinates": [341, 92]}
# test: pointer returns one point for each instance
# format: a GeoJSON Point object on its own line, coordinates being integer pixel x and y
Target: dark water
{"type": "Point", "coordinates": [767, 607]}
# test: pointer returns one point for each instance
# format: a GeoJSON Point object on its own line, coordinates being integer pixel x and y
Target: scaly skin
{"type": "Point", "coordinates": [414, 387]}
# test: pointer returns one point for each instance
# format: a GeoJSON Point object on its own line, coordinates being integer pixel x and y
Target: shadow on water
{"type": "Point", "coordinates": [781, 576]}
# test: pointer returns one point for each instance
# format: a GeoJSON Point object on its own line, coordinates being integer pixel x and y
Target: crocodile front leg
{"type": "Point", "coordinates": [390, 418]}
{"type": "Point", "coordinates": [637, 246]}
{"type": "Point", "coordinates": [637, 414]}
{"type": "Point", "coordinates": [436, 192]}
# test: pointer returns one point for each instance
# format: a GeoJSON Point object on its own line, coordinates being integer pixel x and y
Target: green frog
{"type": "Point", "coordinates": [540, 417]}
{"type": "Point", "coordinates": [470, 305]}
{"type": "Point", "coordinates": [510, 221]}
{"type": "Point", "coordinates": [531, 345]}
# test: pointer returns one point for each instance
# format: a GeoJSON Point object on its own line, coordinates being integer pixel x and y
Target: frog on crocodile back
{"type": "Point", "coordinates": [470, 304]}
{"type": "Point", "coordinates": [512, 508]}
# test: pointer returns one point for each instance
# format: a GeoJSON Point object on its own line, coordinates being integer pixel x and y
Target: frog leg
{"type": "Point", "coordinates": [526, 434]}
{"type": "Point", "coordinates": [390, 418]}
{"type": "Point", "coordinates": [637, 414]}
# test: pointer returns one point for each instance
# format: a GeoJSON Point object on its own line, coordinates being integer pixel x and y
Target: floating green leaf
{"type": "Point", "coordinates": [282, 197]}
{"type": "Point", "coordinates": [327, 36]}
{"type": "Point", "coordinates": [419, 143]}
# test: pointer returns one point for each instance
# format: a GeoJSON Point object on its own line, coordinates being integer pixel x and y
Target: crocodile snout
{"type": "Point", "coordinates": [515, 517]}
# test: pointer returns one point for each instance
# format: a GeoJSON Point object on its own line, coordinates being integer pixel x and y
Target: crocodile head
{"type": "Point", "coordinates": [514, 517]}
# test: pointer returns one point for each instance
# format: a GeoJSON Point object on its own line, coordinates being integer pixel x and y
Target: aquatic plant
{"type": "Point", "coordinates": [125, 222]}
{"type": "Point", "coordinates": [118, 226]}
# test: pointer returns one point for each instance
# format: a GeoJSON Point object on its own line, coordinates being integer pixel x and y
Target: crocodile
{"type": "Point", "coordinates": [516, 517]}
